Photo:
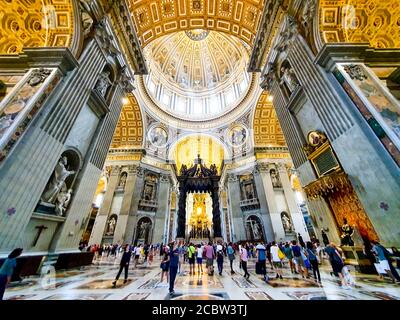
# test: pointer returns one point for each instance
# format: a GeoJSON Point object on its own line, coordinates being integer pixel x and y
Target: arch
{"type": "Point", "coordinates": [267, 130]}
{"type": "Point", "coordinates": [371, 21]}
{"type": "Point", "coordinates": [157, 18]}
{"type": "Point", "coordinates": [36, 23]}
{"type": "Point", "coordinates": [185, 149]}
{"type": "Point", "coordinates": [129, 130]}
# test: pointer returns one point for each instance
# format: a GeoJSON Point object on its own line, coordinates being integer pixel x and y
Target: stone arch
{"type": "Point", "coordinates": [371, 21]}
{"type": "Point", "coordinates": [37, 23]}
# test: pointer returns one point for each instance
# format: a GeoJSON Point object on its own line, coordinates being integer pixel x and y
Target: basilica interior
{"type": "Point", "coordinates": [146, 122]}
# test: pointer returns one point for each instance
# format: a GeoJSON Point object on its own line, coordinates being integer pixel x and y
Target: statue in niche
{"type": "Point", "coordinates": [249, 191]}
{"type": "Point", "coordinates": [148, 192]}
{"type": "Point", "coordinates": [143, 230]}
{"type": "Point", "coordinates": [61, 173]}
{"type": "Point", "coordinates": [289, 78]}
{"type": "Point", "coordinates": [287, 223]}
{"type": "Point", "coordinates": [103, 83]}
{"type": "Point", "coordinates": [276, 183]}
{"type": "Point", "coordinates": [63, 199]}
{"type": "Point", "coordinates": [122, 180]}
{"type": "Point", "coordinates": [256, 231]}
{"type": "Point", "coordinates": [347, 233]}
{"type": "Point", "coordinates": [111, 226]}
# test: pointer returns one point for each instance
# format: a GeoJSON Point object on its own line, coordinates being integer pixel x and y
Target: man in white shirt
{"type": "Point", "coordinates": [137, 254]}
{"type": "Point", "coordinates": [276, 260]}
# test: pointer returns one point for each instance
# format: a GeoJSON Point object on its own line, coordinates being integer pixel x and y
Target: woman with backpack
{"type": "Point", "coordinates": [312, 257]}
{"type": "Point", "coordinates": [231, 256]}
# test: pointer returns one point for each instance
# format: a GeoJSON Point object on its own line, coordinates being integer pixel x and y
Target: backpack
{"type": "Point", "coordinates": [281, 255]}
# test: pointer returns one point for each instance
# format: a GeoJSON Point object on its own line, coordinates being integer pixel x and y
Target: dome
{"type": "Point", "coordinates": [197, 74]}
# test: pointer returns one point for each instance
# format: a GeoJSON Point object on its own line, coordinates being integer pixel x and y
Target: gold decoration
{"type": "Point", "coordinates": [267, 130]}
{"type": "Point", "coordinates": [35, 23]}
{"type": "Point", "coordinates": [375, 22]}
{"type": "Point", "coordinates": [129, 131]}
{"type": "Point", "coordinates": [154, 19]}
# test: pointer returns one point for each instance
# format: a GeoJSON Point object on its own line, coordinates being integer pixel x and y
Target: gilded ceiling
{"type": "Point", "coordinates": [197, 72]}
{"type": "Point", "coordinates": [129, 131]}
{"type": "Point", "coordinates": [35, 23]}
{"type": "Point", "coordinates": [156, 18]}
{"type": "Point", "coordinates": [376, 22]}
{"type": "Point", "coordinates": [267, 130]}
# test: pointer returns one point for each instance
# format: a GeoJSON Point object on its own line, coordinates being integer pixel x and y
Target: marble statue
{"type": "Point", "coordinates": [111, 226]}
{"type": "Point", "coordinates": [347, 233]}
{"type": "Point", "coordinates": [275, 179]}
{"type": "Point", "coordinates": [144, 226]}
{"type": "Point", "coordinates": [58, 181]}
{"type": "Point", "coordinates": [287, 224]}
{"type": "Point", "coordinates": [289, 78]}
{"type": "Point", "coordinates": [63, 199]}
{"type": "Point", "coordinates": [103, 83]}
{"type": "Point", "coordinates": [87, 19]}
{"type": "Point", "coordinates": [256, 231]}
{"type": "Point", "coordinates": [122, 181]}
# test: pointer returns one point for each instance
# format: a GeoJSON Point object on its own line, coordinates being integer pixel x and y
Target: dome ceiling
{"type": "Point", "coordinates": [197, 74]}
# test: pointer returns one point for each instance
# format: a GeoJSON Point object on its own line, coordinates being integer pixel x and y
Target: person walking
{"type": "Point", "coordinates": [173, 266]}
{"type": "Point", "coordinates": [276, 257]}
{"type": "Point", "coordinates": [220, 258]}
{"type": "Point", "coordinates": [244, 257]}
{"type": "Point", "coordinates": [191, 250]}
{"type": "Point", "coordinates": [7, 270]}
{"type": "Point", "coordinates": [261, 260]}
{"type": "Point", "coordinates": [199, 258]}
{"type": "Point", "coordinates": [384, 257]}
{"type": "Point", "coordinates": [297, 256]}
{"type": "Point", "coordinates": [137, 250]}
{"type": "Point", "coordinates": [312, 257]}
{"type": "Point", "coordinates": [337, 263]}
{"type": "Point", "coordinates": [289, 255]}
{"type": "Point", "coordinates": [231, 256]}
{"type": "Point", "coordinates": [210, 255]}
{"type": "Point", "coordinates": [164, 267]}
{"type": "Point", "coordinates": [124, 264]}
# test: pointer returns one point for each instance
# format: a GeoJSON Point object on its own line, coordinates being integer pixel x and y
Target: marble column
{"type": "Point", "coordinates": [266, 200]}
{"type": "Point", "coordinates": [119, 234]}
{"type": "Point", "coordinates": [162, 209]}
{"type": "Point", "coordinates": [102, 217]}
{"type": "Point", "coordinates": [131, 224]}
{"type": "Point", "coordinates": [273, 227]}
{"type": "Point", "coordinates": [294, 210]}
{"type": "Point", "coordinates": [239, 232]}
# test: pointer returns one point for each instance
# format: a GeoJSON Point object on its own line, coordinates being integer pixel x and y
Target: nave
{"type": "Point", "coordinates": [95, 283]}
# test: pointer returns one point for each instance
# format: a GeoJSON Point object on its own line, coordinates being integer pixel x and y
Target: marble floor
{"type": "Point", "coordinates": [95, 283]}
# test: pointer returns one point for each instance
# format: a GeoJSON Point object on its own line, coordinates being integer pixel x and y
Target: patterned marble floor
{"type": "Point", "coordinates": [95, 283]}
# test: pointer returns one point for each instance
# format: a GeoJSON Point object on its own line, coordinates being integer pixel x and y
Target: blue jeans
{"type": "Point", "coordinates": [172, 276]}
{"type": "Point", "coordinates": [220, 263]}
